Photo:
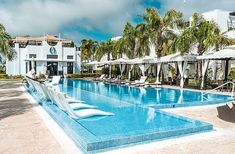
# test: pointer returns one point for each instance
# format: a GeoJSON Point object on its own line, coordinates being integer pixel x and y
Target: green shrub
{"type": "Point", "coordinates": [105, 70]}
{"type": "Point", "coordinates": [3, 76]}
{"type": "Point", "coordinates": [116, 71]}
{"type": "Point", "coordinates": [151, 79]}
{"type": "Point", "coordinates": [42, 76]}
{"type": "Point", "coordinates": [231, 75]}
{"type": "Point", "coordinates": [84, 75]}
{"type": "Point", "coordinates": [16, 77]}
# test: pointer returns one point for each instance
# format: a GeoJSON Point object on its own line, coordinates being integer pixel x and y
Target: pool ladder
{"type": "Point", "coordinates": [229, 82]}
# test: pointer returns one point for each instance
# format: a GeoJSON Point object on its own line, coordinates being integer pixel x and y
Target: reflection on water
{"type": "Point", "coordinates": [151, 115]}
{"type": "Point", "coordinates": [140, 95]}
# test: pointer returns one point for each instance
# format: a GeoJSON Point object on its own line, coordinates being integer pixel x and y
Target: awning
{"type": "Point", "coordinates": [144, 60]}
{"type": "Point", "coordinates": [93, 63]}
{"type": "Point", "coordinates": [222, 54]}
{"type": "Point", "coordinates": [119, 61]}
{"type": "Point", "coordinates": [176, 57]}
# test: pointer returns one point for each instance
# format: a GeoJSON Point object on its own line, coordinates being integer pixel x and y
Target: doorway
{"type": "Point", "coordinates": [69, 67]}
{"type": "Point", "coordinates": [52, 68]}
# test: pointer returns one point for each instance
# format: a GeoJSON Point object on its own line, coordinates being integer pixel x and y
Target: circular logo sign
{"type": "Point", "coordinates": [52, 50]}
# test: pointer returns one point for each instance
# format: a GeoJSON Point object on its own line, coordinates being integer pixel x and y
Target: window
{"type": "Point", "coordinates": [52, 56]}
{"type": "Point", "coordinates": [69, 57]}
{"type": "Point", "coordinates": [32, 56]}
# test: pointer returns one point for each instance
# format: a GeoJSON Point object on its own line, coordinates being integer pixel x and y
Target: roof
{"type": "Point", "coordinates": [53, 38]}
{"type": "Point", "coordinates": [175, 58]}
{"type": "Point", "coordinates": [222, 54]}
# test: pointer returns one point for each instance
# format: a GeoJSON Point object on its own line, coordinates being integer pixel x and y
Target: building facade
{"type": "Point", "coordinates": [47, 55]}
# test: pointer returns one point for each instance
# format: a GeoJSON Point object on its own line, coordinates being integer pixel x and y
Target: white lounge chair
{"type": "Point", "coordinates": [83, 113]}
{"type": "Point", "coordinates": [60, 101]}
{"type": "Point", "coordinates": [157, 83]}
{"type": "Point", "coordinates": [55, 81]}
{"type": "Point", "coordinates": [69, 99]}
{"type": "Point", "coordinates": [140, 81]}
{"type": "Point", "coordinates": [100, 78]}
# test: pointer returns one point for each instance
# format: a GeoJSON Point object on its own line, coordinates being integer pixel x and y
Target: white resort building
{"type": "Point", "coordinates": [48, 55]}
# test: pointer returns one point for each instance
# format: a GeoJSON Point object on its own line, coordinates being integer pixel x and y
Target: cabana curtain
{"type": "Point", "coordinates": [205, 63]}
{"type": "Point", "coordinates": [129, 74]}
{"type": "Point", "coordinates": [141, 66]}
{"type": "Point", "coordinates": [158, 71]}
{"type": "Point", "coordinates": [182, 67]}
{"type": "Point", "coordinates": [122, 68]}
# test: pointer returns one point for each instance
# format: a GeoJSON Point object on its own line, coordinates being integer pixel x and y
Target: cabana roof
{"type": "Point", "coordinates": [93, 63]}
{"type": "Point", "coordinates": [119, 61]}
{"type": "Point", "coordinates": [144, 60]}
{"type": "Point", "coordinates": [222, 54]}
{"type": "Point", "coordinates": [175, 58]}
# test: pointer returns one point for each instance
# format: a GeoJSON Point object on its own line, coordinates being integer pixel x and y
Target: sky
{"type": "Point", "coordinates": [99, 20]}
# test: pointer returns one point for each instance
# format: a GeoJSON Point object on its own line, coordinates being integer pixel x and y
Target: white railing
{"type": "Point", "coordinates": [229, 82]}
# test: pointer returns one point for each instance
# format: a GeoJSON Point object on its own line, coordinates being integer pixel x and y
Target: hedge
{"type": "Point", "coordinates": [84, 75]}
{"type": "Point", "coordinates": [3, 76]}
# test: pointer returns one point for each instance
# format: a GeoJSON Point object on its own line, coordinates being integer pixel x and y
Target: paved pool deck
{"type": "Point", "coordinates": [23, 130]}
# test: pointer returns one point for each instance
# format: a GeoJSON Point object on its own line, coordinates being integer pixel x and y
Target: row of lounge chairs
{"type": "Point", "coordinates": [76, 109]}
{"type": "Point", "coordinates": [141, 82]}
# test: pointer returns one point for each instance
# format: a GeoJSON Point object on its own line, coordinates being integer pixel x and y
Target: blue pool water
{"type": "Point", "coordinates": [155, 97]}
{"type": "Point", "coordinates": [134, 120]}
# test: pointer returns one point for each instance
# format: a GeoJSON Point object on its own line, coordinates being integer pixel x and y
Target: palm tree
{"type": "Point", "coordinates": [129, 40]}
{"type": "Point", "coordinates": [5, 48]}
{"type": "Point", "coordinates": [87, 51]}
{"type": "Point", "coordinates": [142, 40]}
{"type": "Point", "coordinates": [201, 34]}
{"type": "Point", "coordinates": [162, 30]}
{"type": "Point", "coordinates": [105, 48]}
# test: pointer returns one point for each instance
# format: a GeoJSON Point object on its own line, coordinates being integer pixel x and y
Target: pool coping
{"type": "Point", "coordinates": [67, 144]}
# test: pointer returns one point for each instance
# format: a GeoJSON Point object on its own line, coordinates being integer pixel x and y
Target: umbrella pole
{"type": "Point", "coordinates": [226, 70]}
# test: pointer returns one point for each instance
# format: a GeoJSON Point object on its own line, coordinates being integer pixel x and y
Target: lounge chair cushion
{"type": "Point", "coordinates": [81, 106]}
{"type": "Point", "coordinates": [85, 113]}
{"type": "Point", "coordinates": [72, 100]}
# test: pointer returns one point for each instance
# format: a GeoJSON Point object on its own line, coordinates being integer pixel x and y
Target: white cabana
{"type": "Point", "coordinates": [222, 54]}
{"type": "Point", "coordinates": [121, 62]}
{"type": "Point", "coordinates": [93, 63]}
{"type": "Point", "coordinates": [143, 63]}
{"type": "Point", "coordinates": [225, 54]}
{"type": "Point", "coordinates": [181, 60]}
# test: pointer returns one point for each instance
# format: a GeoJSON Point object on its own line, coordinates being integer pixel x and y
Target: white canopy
{"type": "Point", "coordinates": [93, 63]}
{"type": "Point", "coordinates": [222, 54]}
{"type": "Point", "coordinates": [176, 57]}
{"type": "Point", "coordinates": [108, 62]}
{"type": "Point", "coordinates": [144, 60]}
{"type": "Point", "coordinates": [119, 61]}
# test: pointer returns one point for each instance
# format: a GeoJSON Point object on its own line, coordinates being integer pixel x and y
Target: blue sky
{"type": "Point", "coordinates": [90, 19]}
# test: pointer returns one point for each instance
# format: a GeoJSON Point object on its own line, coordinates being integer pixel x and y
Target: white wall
{"type": "Point", "coordinates": [18, 65]}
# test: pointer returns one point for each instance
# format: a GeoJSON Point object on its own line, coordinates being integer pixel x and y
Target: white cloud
{"type": "Point", "coordinates": [200, 6]}
{"type": "Point", "coordinates": [37, 16]}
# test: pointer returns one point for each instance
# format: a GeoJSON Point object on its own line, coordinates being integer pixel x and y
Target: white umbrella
{"type": "Point", "coordinates": [93, 63]}
{"type": "Point", "coordinates": [222, 54]}
{"type": "Point", "coordinates": [120, 61]}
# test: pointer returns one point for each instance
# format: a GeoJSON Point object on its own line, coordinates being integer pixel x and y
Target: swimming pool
{"type": "Point", "coordinates": [134, 121]}
{"type": "Point", "coordinates": [154, 97]}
